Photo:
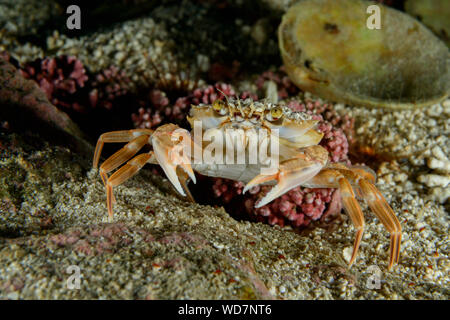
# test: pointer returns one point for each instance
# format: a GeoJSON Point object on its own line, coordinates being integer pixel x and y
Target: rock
{"type": "Point", "coordinates": [53, 217]}
{"type": "Point", "coordinates": [24, 105]}
{"type": "Point", "coordinates": [26, 17]}
{"type": "Point", "coordinates": [434, 180]}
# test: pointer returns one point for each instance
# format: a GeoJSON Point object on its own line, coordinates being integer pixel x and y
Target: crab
{"type": "Point", "coordinates": [301, 161]}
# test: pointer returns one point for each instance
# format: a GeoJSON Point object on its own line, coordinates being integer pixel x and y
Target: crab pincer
{"type": "Point", "coordinates": [171, 146]}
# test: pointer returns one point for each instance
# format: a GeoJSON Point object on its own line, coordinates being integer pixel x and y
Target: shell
{"type": "Point", "coordinates": [328, 50]}
{"type": "Point", "coordinates": [435, 14]}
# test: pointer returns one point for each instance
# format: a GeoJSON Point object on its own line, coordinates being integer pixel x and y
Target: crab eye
{"type": "Point", "coordinates": [274, 114]}
{"type": "Point", "coordinates": [220, 107]}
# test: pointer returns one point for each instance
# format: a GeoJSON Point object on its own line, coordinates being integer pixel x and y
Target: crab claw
{"type": "Point", "coordinates": [291, 174]}
{"type": "Point", "coordinates": [171, 146]}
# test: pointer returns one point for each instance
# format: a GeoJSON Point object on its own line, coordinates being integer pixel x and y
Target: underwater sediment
{"type": "Point", "coordinates": [143, 68]}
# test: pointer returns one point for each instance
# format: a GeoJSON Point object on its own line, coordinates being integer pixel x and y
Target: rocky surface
{"type": "Point", "coordinates": [417, 140]}
{"type": "Point", "coordinates": [53, 216]}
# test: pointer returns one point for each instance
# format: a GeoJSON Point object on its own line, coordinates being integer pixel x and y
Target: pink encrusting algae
{"type": "Point", "coordinates": [71, 87]}
{"type": "Point", "coordinates": [152, 112]}
{"type": "Point", "coordinates": [107, 86]}
{"type": "Point", "coordinates": [99, 239]}
{"type": "Point", "coordinates": [211, 93]}
{"type": "Point", "coordinates": [60, 78]}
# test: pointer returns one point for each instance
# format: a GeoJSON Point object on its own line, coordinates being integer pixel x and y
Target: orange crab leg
{"type": "Point", "coordinates": [384, 212]}
{"type": "Point", "coordinates": [332, 178]}
{"type": "Point", "coordinates": [379, 206]}
{"type": "Point", "coordinates": [354, 172]}
{"type": "Point", "coordinates": [353, 209]}
{"type": "Point", "coordinates": [116, 136]}
{"type": "Point", "coordinates": [124, 154]}
{"type": "Point", "coordinates": [123, 174]}
{"type": "Point", "coordinates": [361, 179]}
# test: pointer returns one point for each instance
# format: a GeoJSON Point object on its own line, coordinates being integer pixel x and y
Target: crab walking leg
{"type": "Point", "coordinates": [116, 136]}
{"type": "Point", "coordinates": [361, 179]}
{"type": "Point", "coordinates": [353, 209]}
{"type": "Point", "coordinates": [384, 212]}
{"type": "Point", "coordinates": [353, 173]}
{"type": "Point", "coordinates": [124, 154]}
{"type": "Point", "coordinates": [331, 178]}
{"type": "Point", "coordinates": [123, 174]}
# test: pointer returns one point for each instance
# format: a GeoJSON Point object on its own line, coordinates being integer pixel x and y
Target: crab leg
{"type": "Point", "coordinates": [384, 212]}
{"type": "Point", "coordinates": [117, 136]}
{"type": "Point", "coordinates": [361, 179]}
{"type": "Point", "coordinates": [124, 154]}
{"type": "Point", "coordinates": [332, 178]}
{"type": "Point", "coordinates": [124, 173]}
{"type": "Point", "coordinates": [184, 178]}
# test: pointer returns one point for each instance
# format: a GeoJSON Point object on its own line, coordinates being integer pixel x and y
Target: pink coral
{"type": "Point", "coordinates": [60, 78]}
{"type": "Point", "coordinates": [25, 97]}
{"type": "Point", "coordinates": [107, 86]}
{"type": "Point", "coordinates": [298, 207]}
{"type": "Point", "coordinates": [156, 109]}
{"type": "Point", "coordinates": [285, 86]}
{"type": "Point", "coordinates": [145, 119]}
{"type": "Point", "coordinates": [212, 93]}
{"type": "Point", "coordinates": [153, 110]}
{"type": "Point", "coordinates": [227, 189]}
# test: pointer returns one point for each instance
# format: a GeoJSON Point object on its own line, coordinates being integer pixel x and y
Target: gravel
{"type": "Point", "coordinates": [53, 216]}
